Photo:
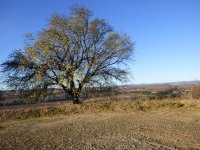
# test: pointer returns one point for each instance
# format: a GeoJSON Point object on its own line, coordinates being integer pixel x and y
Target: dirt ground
{"type": "Point", "coordinates": [136, 130]}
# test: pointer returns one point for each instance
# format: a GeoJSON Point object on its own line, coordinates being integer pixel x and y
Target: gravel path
{"type": "Point", "coordinates": [155, 130]}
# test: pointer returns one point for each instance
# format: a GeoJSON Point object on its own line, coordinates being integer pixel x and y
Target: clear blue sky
{"type": "Point", "coordinates": [166, 32]}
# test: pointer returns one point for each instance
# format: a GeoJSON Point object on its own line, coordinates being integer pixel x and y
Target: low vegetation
{"type": "Point", "coordinates": [98, 106]}
{"type": "Point", "coordinates": [126, 93]}
{"type": "Point", "coordinates": [161, 94]}
{"type": "Point", "coordinates": [196, 92]}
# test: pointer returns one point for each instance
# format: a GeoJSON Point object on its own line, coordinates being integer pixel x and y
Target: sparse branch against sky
{"type": "Point", "coordinates": [166, 32]}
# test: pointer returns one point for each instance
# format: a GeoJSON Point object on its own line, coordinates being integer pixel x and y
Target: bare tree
{"type": "Point", "coordinates": [72, 53]}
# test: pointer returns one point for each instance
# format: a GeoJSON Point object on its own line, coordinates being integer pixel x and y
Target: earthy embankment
{"type": "Point", "coordinates": [173, 126]}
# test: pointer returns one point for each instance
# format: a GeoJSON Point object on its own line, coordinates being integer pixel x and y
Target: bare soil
{"type": "Point", "coordinates": [134, 130]}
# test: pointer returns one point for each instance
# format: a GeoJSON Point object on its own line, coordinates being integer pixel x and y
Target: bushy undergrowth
{"type": "Point", "coordinates": [163, 94]}
{"type": "Point", "coordinates": [95, 107]}
{"type": "Point", "coordinates": [196, 92]}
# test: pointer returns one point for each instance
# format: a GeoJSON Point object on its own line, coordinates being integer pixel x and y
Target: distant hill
{"type": "Point", "coordinates": [169, 83]}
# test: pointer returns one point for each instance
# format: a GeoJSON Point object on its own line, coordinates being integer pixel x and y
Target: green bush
{"type": "Point", "coordinates": [169, 93]}
{"type": "Point", "coordinates": [142, 92]}
{"type": "Point", "coordinates": [196, 92]}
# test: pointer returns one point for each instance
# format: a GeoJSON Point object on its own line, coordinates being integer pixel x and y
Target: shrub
{"type": "Point", "coordinates": [169, 93]}
{"type": "Point", "coordinates": [1, 127]}
{"type": "Point", "coordinates": [143, 92]}
{"type": "Point", "coordinates": [196, 92]}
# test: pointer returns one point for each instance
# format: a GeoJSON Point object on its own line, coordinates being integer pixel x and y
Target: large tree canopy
{"type": "Point", "coordinates": [73, 52]}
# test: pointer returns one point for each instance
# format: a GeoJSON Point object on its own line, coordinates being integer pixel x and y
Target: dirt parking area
{"type": "Point", "coordinates": [136, 130]}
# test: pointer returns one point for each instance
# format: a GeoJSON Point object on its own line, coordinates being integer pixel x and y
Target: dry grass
{"type": "Point", "coordinates": [132, 130]}
{"type": "Point", "coordinates": [99, 106]}
{"type": "Point", "coordinates": [103, 124]}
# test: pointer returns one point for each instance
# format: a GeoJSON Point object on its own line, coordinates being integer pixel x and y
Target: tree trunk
{"type": "Point", "coordinates": [76, 99]}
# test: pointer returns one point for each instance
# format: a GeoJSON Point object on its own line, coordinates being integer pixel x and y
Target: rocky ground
{"type": "Point", "coordinates": [136, 130]}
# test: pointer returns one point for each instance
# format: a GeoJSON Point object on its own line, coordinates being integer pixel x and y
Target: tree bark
{"type": "Point", "coordinates": [76, 99]}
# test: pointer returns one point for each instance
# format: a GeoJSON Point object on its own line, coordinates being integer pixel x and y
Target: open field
{"type": "Point", "coordinates": [158, 130]}
{"type": "Point", "coordinates": [163, 124]}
